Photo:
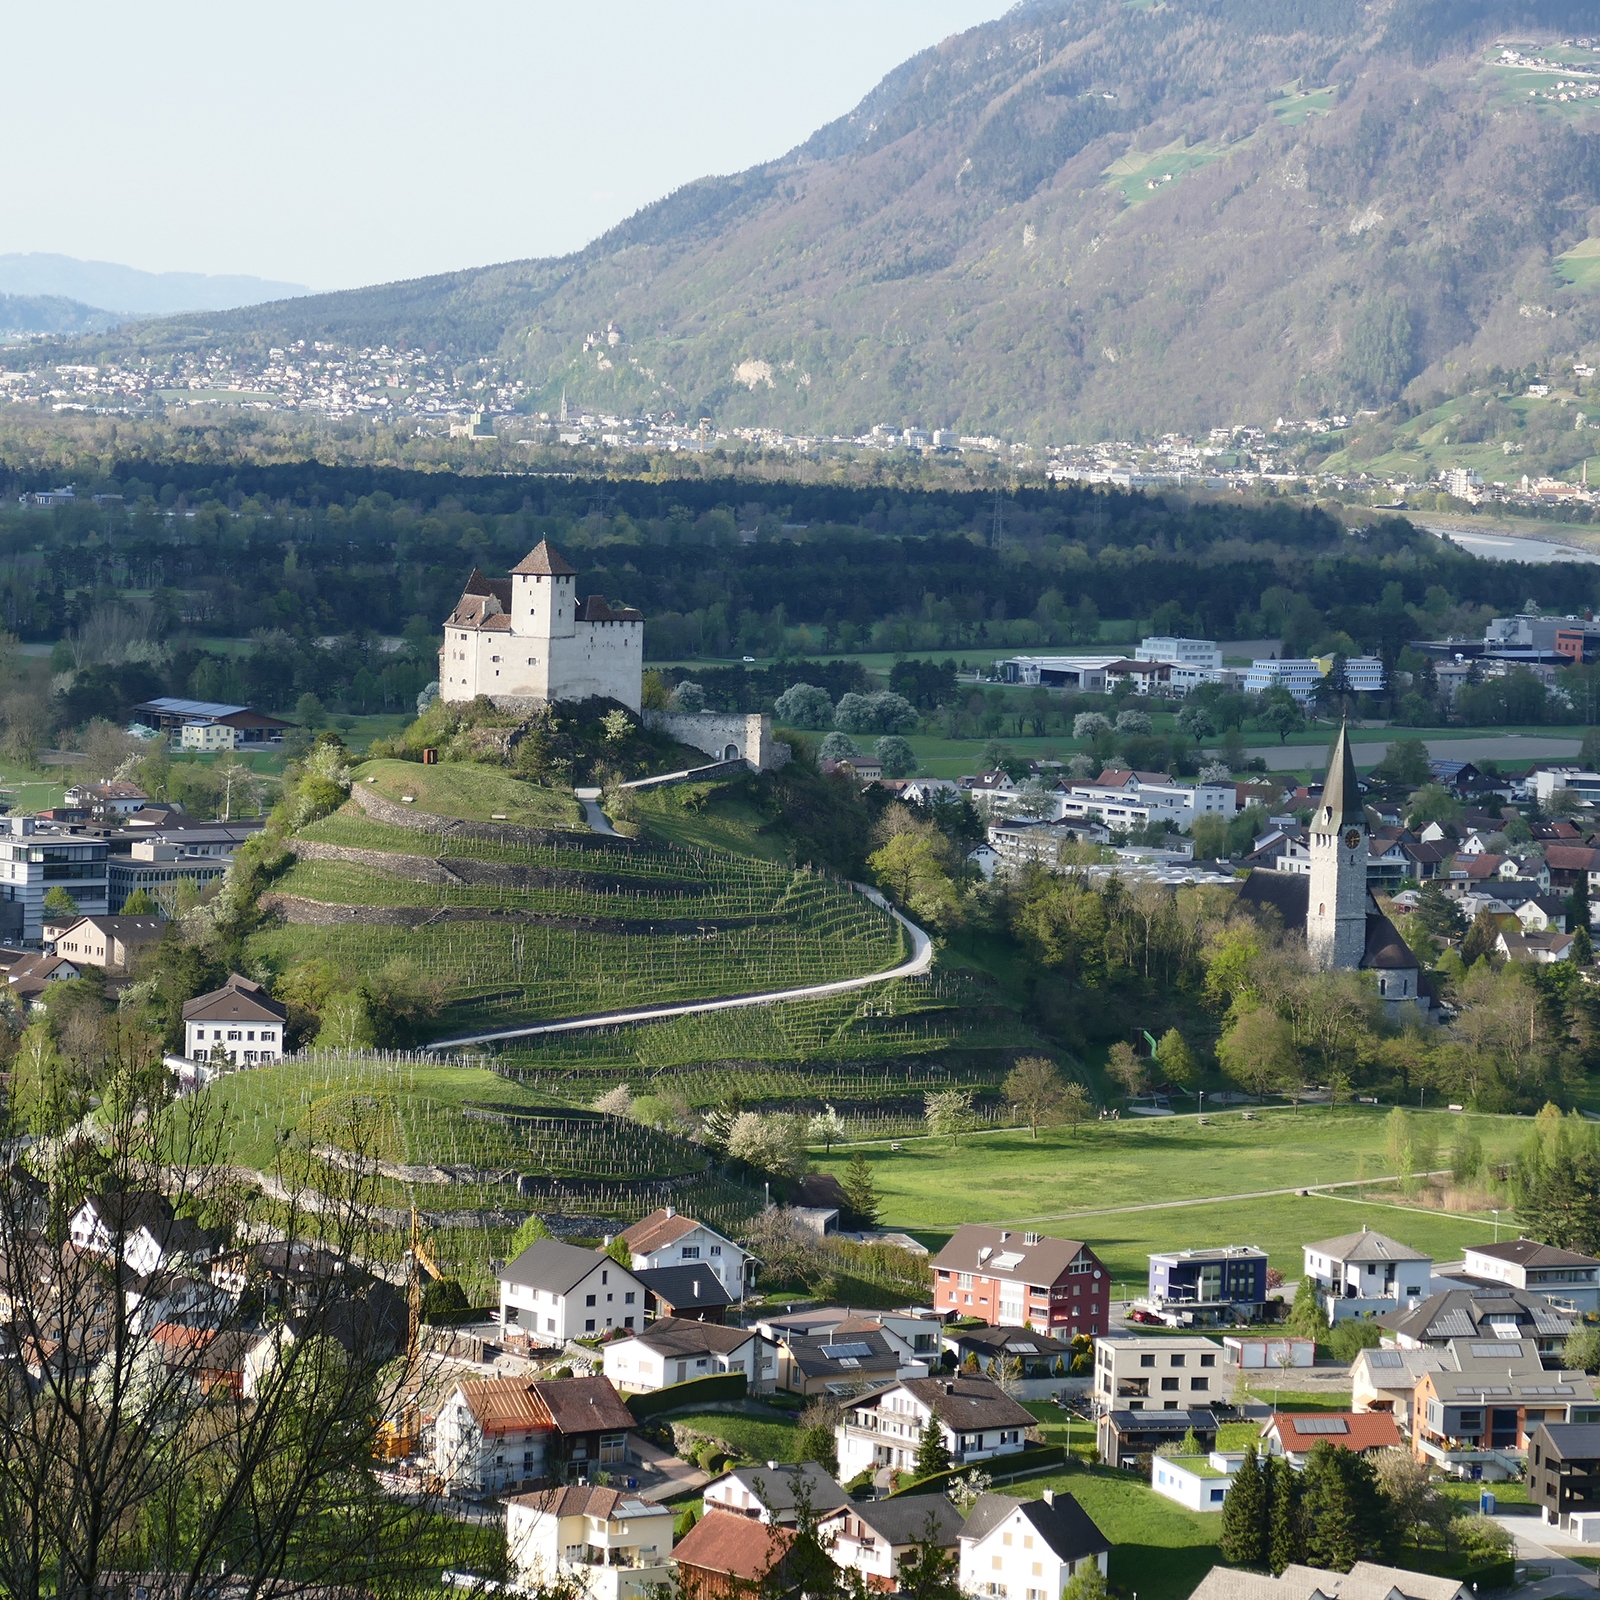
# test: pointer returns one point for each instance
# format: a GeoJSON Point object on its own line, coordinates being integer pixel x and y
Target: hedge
{"type": "Point", "coordinates": [1039, 1459]}
{"type": "Point", "coordinates": [688, 1396]}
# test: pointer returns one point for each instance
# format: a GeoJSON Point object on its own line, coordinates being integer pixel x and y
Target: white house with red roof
{"type": "Point", "coordinates": [667, 1239]}
{"type": "Point", "coordinates": [530, 638]}
{"type": "Point", "coordinates": [1022, 1280]}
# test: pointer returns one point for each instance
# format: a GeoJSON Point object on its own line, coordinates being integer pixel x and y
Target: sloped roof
{"type": "Point", "coordinates": [692, 1284]}
{"type": "Point", "coordinates": [660, 1228]}
{"type": "Point", "coordinates": [1572, 1441]}
{"type": "Point", "coordinates": [577, 1500]}
{"type": "Point", "coordinates": [1065, 1526]}
{"type": "Point", "coordinates": [723, 1541]}
{"type": "Point", "coordinates": [238, 1000]}
{"type": "Point", "coordinates": [583, 1405]}
{"type": "Point", "coordinates": [1532, 1253]}
{"type": "Point", "coordinates": [550, 1264]}
{"type": "Point", "coordinates": [503, 1404]}
{"type": "Point", "coordinates": [545, 561]}
{"type": "Point", "coordinates": [965, 1405]}
{"type": "Point", "coordinates": [829, 1356]}
{"type": "Point", "coordinates": [774, 1485]}
{"type": "Point", "coordinates": [1340, 806]}
{"type": "Point", "coordinates": [1462, 1314]}
{"type": "Point", "coordinates": [1360, 1430]}
{"type": "Point", "coordinates": [904, 1518]}
{"type": "Point", "coordinates": [1042, 1262]}
{"type": "Point", "coordinates": [598, 609]}
{"type": "Point", "coordinates": [1386, 950]}
{"type": "Point", "coordinates": [1287, 893]}
{"type": "Point", "coordinates": [1569, 857]}
{"type": "Point", "coordinates": [681, 1336]}
{"type": "Point", "coordinates": [1366, 1246]}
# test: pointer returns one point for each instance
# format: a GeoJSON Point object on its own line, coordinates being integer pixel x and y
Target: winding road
{"type": "Point", "coordinates": [920, 960]}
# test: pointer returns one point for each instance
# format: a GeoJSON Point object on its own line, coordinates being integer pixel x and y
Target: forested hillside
{"type": "Point", "coordinates": [1084, 219]}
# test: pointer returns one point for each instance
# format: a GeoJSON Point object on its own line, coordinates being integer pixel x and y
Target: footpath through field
{"type": "Point", "coordinates": [920, 960]}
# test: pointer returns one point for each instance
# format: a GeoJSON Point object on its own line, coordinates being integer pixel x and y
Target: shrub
{"type": "Point", "coordinates": [688, 696]}
{"type": "Point", "coordinates": [898, 758]}
{"type": "Point", "coordinates": [804, 706]}
{"type": "Point", "coordinates": [839, 747]}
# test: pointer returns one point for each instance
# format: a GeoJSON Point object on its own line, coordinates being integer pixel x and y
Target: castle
{"type": "Point", "coordinates": [528, 639]}
{"type": "Point", "coordinates": [1344, 928]}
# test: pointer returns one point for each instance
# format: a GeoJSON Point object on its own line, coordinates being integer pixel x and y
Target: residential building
{"type": "Point", "coordinates": [29, 974]}
{"type": "Point", "coordinates": [772, 1493]}
{"type": "Point", "coordinates": [494, 1434]}
{"type": "Point", "coordinates": [207, 735]}
{"type": "Point", "coordinates": [1216, 1285]}
{"type": "Point", "coordinates": [1155, 1374]}
{"type": "Point", "coordinates": [1490, 1311]}
{"type": "Point", "coordinates": [1013, 1549]}
{"type": "Point", "coordinates": [110, 801]}
{"type": "Point", "coordinates": [839, 1363]}
{"type": "Point", "coordinates": [723, 1558]}
{"type": "Point", "coordinates": [1564, 1472]}
{"type": "Point", "coordinates": [1014, 1279]}
{"type": "Point", "coordinates": [1123, 1436]}
{"type": "Point", "coordinates": [1386, 1379]}
{"type": "Point", "coordinates": [871, 1536]}
{"type": "Point", "coordinates": [691, 1292]}
{"type": "Point", "coordinates": [1541, 949]}
{"type": "Point", "coordinates": [1364, 1272]}
{"type": "Point", "coordinates": [169, 713]}
{"type": "Point", "coordinates": [666, 1239]}
{"type": "Point", "coordinates": [1294, 1435]}
{"type": "Point", "coordinates": [1199, 1482]}
{"type": "Point", "coordinates": [1566, 1279]}
{"type": "Point", "coordinates": [554, 1292]}
{"type": "Point", "coordinates": [1473, 1416]}
{"type": "Point", "coordinates": [910, 1332]}
{"type": "Point", "coordinates": [609, 1544]}
{"type": "Point", "coordinates": [240, 1023]}
{"type": "Point", "coordinates": [976, 1418]}
{"type": "Point", "coordinates": [1034, 1355]}
{"type": "Point", "coordinates": [34, 859]}
{"type": "Point", "coordinates": [529, 638]}
{"type": "Point", "coordinates": [670, 1350]}
{"type": "Point", "coordinates": [109, 942]}
{"type": "Point", "coordinates": [1364, 1581]}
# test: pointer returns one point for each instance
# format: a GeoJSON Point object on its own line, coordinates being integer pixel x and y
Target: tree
{"type": "Point", "coordinates": [59, 906]}
{"type": "Point", "coordinates": [1246, 1513]}
{"type": "Point", "coordinates": [1075, 1104]}
{"type": "Point", "coordinates": [932, 1454]}
{"type": "Point", "coordinates": [1432, 803]}
{"type": "Point", "coordinates": [443, 1296]}
{"type": "Point", "coordinates": [1209, 838]}
{"type": "Point", "coordinates": [1287, 1545]}
{"type": "Point", "coordinates": [1087, 1583]}
{"type": "Point", "coordinates": [139, 904]}
{"type": "Point", "coordinates": [816, 1443]}
{"type": "Point", "coordinates": [239, 786]}
{"type": "Point", "coordinates": [1344, 1516]}
{"type": "Point", "coordinates": [928, 1572]}
{"type": "Point", "coordinates": [861, 1190]}
{"type": "Point", "coordinates": [1256, 1049]}
{"type": "Point", "coordinates": [615, 1102]}
{"type": "Point", "coordinates": [1034, 1086]}
{"type": "Point", "coordinates": [1089, 723]}
{"type": "Point", "coordinates": [1438, 913]}
{"type": "Point", "coordinates": [1306, 1316]}
{"type": "Point", "coordinates": [912, 868]}
{"type": "Point", "coordinates": [948, 1111]}
{"type": "Point", "coordinates": [1405, 1484]}
{"type": "Point", "coordinates": [1127, 1068]}
{"type": "Point", "coordinates": [1133, 721]}
{"type": "Point", "coordinates": [310, 712]}
{"type": "Point", "coordinates": [896, 756]}
{"type": "Point", "coordinates": [1280, 712]}
{"type": "Point", "coordinates": [346, 1023]}
{"type": "Point", "coordinates": [1179, 1064]}
{"type": "Point", "coordinates": [1405, 761]}
{"type": "Point", "coordinates": [43, 1101]}
{"type": "Point", "coordinates": [803, 705]}
{"type": "Point", "coordinates": [827, 1129]}
{"type": "Point", "coordinates": [1581, 1352]}
{"type": "Point", "coordinates": [1350, 1337]}
{"type": "Point", "coordinates": [838, 747]}
{"type": "Point", "coordinates": [529, 1231]}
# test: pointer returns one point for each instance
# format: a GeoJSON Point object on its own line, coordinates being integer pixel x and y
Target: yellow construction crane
{"type": "Point", "coordinates": [397, 1439]}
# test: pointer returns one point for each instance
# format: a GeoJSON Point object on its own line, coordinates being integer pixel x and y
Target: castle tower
{"type": "Point", "coordinates": [543, 602]}
{"type": "Point", "coordinates": [1336, 916]}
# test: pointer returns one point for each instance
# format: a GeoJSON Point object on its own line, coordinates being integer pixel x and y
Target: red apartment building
{"type": "Point", "coordinates": [1022, 1280]}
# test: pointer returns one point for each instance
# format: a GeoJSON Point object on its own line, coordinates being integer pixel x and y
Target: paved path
{"type": "Point", "coordinates": [589, 799]}
{"type": "Point", "coordinates": [1485, 747]}
{"type": "Point", "coordinates": [1546, 1547]}
{"type": "Point", "coordinates": [662, 1475]}
{"type": "Point", "coordinates": [921, 959]}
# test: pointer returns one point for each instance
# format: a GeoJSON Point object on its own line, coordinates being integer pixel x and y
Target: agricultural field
{"type": "Point", "coordinates": [468, 789]}
{"type": "Point", "coordinates": [1140, 175]}
{"type": "Point", "coordinates": [1088, 1183]}
{"type": "Point", "coordinates": [1298, 105]}
{"type": "Point", "coordinates": [1580, 266]}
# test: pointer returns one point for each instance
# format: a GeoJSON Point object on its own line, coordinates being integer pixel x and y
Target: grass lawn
{"type": "Point", "coordinates": [464, 789]}
{"type": "Point", "coordinates": [1005, 1176]}
{"type": "Point", "coordinates": [726, 821]}
{"type": "Point", "coordinates": [755, 1438]}
{"type": "Point", "coordinates": [1159, 1549]}
{"type": "Point", "coordinates": [32, 788]}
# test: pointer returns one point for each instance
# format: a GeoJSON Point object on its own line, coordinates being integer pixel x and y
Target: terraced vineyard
{"type": "Point", "coordinates": [518, 926]}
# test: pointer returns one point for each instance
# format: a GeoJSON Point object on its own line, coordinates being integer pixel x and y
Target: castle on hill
{"type": "Point", "coordinates": [1345, 930]}
{"type": "Point", "coordinates": [528, 639]}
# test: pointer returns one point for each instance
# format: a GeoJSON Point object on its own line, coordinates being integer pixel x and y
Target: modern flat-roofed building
{"type": "Point", "coordinates": [34, 859]}
{"type": "Point", "coordinates": [1216, 1285]}
{"type": "Point", "coordinates": [1156, 1374]}
{"type": "Point", "coordinates": [1564, 1472]}
{"type": "Point", "coordinates": [1567, 1279]}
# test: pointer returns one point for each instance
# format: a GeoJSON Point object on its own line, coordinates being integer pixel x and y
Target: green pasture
{"type": "Point", "coordinates": [754, 1438]}
{"type": "Point", "coordinates": [1301, 104]}
{"type": "Point", "coordinates": [467, 789]}
{"type": "Point", "coordinates": [1580, 266]}
{"type": "Point", "coordinates": [717, 817]}
{"type": "Point", "coordinates": [1140, 176]}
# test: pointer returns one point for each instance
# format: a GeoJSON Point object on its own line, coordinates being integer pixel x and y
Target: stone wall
{"type": "Point", "coordinates": [726, 735]}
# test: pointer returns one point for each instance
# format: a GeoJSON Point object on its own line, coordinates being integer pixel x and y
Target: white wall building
{"type": "Point", "coordinates": [1156, 1374]}
{"type": "Point", "coordinates": [1301, 675]}
{"type": "Point", "coordinates": [612, 1545]}
{"type": "Point", "coordinates": [1198, 653]}
{"type": "Point", "coordinates": [884, 1429]}
{"type": "Point", "coordinates": [1199, 1482]}
{"type": "Point", "coordinates": [871, 1536]}
{"type": "Point", "coordinates": [34, 859]}
{"type": "Point", "coordinates": [530, 638]}
{"type": "Point", "coordinates": [554, 1292]}
{"type": "Point", "coordinates": [1364, 1272]}
{"type": "Point", "coordinates": [674, 1350]}
{"type": "Point", "coordinates": [240, 1023]}
{"type": "Point", "coordinates": [666, 1239]}
{"type": "Point", "coordinates": [1015, 1549]}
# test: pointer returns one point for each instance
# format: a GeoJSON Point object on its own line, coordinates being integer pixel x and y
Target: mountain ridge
{"type": "Point", "coordinates": [1084, 219]}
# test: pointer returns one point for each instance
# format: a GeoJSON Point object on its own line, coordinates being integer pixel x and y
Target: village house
{"type": "Point", "coordinates": [1386, 1380]}
{"type": "Point", "coordinates": [1569, 1281]}
{"type": "Point", "coordinates": [611, 1545]}
{"type": "Point", "coordinates": [871, 1536]}
{"type": "Point", "coordinates": [1294, 1435]}
{"type": "Point", "coordinates": [1494, 1311]}
{"type": "Point", "coordinates": [723, 1558]}
{"type": "Point", "coordinates": [108, 942]}
{"type": "Point", "coordinates": [666, 1239]}
{"type": "Point", "coordinates": [840, 1363]}
{"type": "Point", "coordinates": [1022, 1280]}
{"type": "Point", "coordinates": [240, 1023]}
{"type": "Point", "coordinates": [671, 1350]}
{"type": "Point", "coordinates": [1364, 1581]}
{"type": "Point", "coordinates": [975, 1417]}
{"type": "Point", "coordinates": [1155, 1374]}
{"type": "Point", "coordinates": [691, 1293]}
{"type": "Point", "coordinates": [772, 1493]}
{"type": "Point", "coordinates": [1366, 1272]}
{"type": "Point", "coordinates": [1013, 1549]}
{"type": "Point", "coordinates": [554, 1292]}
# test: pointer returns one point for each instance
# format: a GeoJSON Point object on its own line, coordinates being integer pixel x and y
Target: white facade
{"type": "Point", "coordinates": [1367, 1273]}
{"type": "Point", "coordinates": [205, 735]}
{"type": "Point", "coordinates": [531, 638]}
{"type": "Point", "coordinates": [1176, 804]}
{"type": "Point", "coordinates": [1300, 675]}
{"type": "Point", "coordinates": [1201, 654]}
{"type": "Point", "coordinates": [1155, 1374]}
{"type": "Point", "coordinates": [481, 1453]}
{"type": "Point", "coordinates": [1199, 1482]}
{"type": "Point", "coordinates": [733, 1266]}
{"type": "Point", "coordinates": [607, 1296]}
{"type": "Point", "coordinates": [240, 1043]}
{"type": "Point", "coordinates": [639, 1367]}
{"type": "Point", "coordinates": [613, 1547]}
{"type": "Point", "coordinates": [34, 859]}
{"type": "Point", "coordinates": [1013, 1561]}
{"type": "Point", "coordinates": [885, 1430]}
{"type": "Point", "coordinates": [1277, 1352]}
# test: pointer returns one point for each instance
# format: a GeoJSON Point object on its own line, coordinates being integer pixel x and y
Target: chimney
{"type": "Point", "coordinates": [1004, 1236]}
{"type": "Point", "coordinates": [1049, 1497]}
{"type": "Point", "coordinates": [672, 1211]}
{"type": "Point", "coordinates": [772, 1466]}
{"type": "Point", "coordinates": [605, 1244]}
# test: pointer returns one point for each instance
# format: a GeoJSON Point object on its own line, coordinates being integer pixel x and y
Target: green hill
{"type": "Point", "coordinates": [1081, 219]}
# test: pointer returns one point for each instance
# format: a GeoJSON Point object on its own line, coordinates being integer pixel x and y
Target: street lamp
{"type": "Point", "coordinates": [1202, 1102]}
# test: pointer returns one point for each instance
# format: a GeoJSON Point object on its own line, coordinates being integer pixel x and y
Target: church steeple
{"type": "Point", "coordinates": [1336, 913]}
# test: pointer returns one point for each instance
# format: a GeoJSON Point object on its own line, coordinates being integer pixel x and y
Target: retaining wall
{"type": "Point", "coordinates": [728, 735]}
{"type": "Point", "coordinates": [381, 809]}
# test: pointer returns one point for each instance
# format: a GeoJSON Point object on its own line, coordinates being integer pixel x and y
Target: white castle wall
{"type": "Point", "coordinates": [723, 735]}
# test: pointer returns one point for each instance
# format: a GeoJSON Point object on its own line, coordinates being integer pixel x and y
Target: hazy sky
{"type": "Point", "coordinates": [354, 141]}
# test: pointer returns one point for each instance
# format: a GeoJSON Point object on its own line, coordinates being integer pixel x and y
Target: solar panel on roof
{"type": "Point", "coordinates": [1023, 1349]}
{"type": "Point", "coordinates": [1486, 1388]}
{"type": "Point", "coordinates": [839, 1352]}
{"type": "Point", "coordinates": [1321, 1425]}
{"type": "Point", "coordinates": [1452, 1325]}
{"type": "Point", "coordinates": [1547, 1388]}
{"type": "Point", "coordinates": [1385, 1358]}
{"type": "Point", "coordinates": [1494, 1352]}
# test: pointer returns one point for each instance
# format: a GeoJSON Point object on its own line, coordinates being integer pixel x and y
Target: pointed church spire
{"type": "Point", "coordinates": [1341, 793]}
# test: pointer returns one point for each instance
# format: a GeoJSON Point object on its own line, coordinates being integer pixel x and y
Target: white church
{"type": "Point", "coordinates": [1344, 928]}
{"type": "Point", "coordinates": [529, 639]}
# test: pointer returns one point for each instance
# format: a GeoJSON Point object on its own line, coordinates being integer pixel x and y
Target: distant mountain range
{"type": "Point", "coordinates": [1089, 218]}
{"type": "Point", "coordinates": [128, 292]}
